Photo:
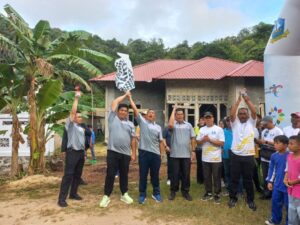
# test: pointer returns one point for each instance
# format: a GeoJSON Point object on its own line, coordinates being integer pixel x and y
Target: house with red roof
{"type": "Point", "coordinates": [207, 84]}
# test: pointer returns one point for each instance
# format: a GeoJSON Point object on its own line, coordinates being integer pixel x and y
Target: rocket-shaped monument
{"type": "Point", "coordinates": [282, 65]}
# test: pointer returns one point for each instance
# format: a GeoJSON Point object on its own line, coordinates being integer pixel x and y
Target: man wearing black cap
{"type": "Point", "coordinates": [211, 137]}
{"type": "Point", "coordinates": [242, 150]}
{"type": "Point", "coordinates": [267, 148]}
{"type": "Point", "coordinates": [293, 129]}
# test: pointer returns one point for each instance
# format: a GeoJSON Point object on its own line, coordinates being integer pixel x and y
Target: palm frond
{"type": "Point", "coordinates": [88, 53]}
{"type": "Point", "coordinates": [71, 59]}
{"type": "Point", "coordinates": [73, 77]}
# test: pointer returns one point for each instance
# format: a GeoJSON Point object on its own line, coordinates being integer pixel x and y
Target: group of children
{"type": "Point", "coordinates": [284, 180]}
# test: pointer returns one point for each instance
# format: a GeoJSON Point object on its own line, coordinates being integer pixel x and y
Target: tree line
{"type": "Point", "coordinates": [39, 67]}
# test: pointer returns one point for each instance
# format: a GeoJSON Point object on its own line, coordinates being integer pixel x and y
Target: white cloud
{"type": "Point", "coordinates": [171, 20]}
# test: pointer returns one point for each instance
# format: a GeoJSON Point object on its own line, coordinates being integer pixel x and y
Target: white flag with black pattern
{"type": "Point", "coordinates": [124, 77]}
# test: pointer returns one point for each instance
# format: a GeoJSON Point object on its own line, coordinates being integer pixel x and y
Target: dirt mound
{"type": "Point", "coordinates": [34, 180]}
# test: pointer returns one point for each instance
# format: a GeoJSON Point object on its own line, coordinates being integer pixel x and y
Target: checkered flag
{"type": "Point", "coordinates": [124, 77]}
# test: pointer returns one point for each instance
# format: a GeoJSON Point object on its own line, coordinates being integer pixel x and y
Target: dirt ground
{"type": "Point", "coordinates": [33, 200]}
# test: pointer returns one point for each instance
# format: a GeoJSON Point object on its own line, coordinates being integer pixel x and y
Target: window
{"type": "Point", "coordinates": [6, 123]}
{"type": "Point", "coordinates": [4, 142]}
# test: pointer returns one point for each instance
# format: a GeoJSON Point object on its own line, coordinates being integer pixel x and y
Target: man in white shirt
{"type": "Point", "coordinates": [242, 150]}
{"type": "Point", "coordinates": [267, 145]}
{"type": "Point", "coordinates": [211, 137]}
{"type": "Point", "coordinates": [293, 129]}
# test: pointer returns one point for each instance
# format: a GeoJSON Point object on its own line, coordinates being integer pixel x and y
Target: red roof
{"type": "Point", "coordinates": [251, 68]}
{"type": "Point", "coordinates": [205, 68]}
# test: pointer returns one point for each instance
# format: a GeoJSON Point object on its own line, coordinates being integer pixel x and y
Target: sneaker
{"type": "Point", "coordinates": [207, 196]}
{"type": "Point", "coordinates": [269, 222]}
{"type": "Point", "coordinates": [75, 197]}
{"type": "Point", "coordinates": [252, 206]}
{"type": "Point", "coordinates": [62, 204]}
{"type": "Point", "coordinates": [232, 203]}
{"type": "Point", "coordinates": [217, 199]}
{"type": "Point", "coordinates": [104, 202]}
{"type": "Point", "coordinates": [187, 196]}
{"type": "Point", "coordinates": [126, 198]}
{"type": "Point", "coordinates": [172, 195]}
{"type": "Point", "coordinates": [168, 182]}
{"type": "Point", "coordinates": [157, 198]}
{"type": "Point", "coordinates": [142, 199]}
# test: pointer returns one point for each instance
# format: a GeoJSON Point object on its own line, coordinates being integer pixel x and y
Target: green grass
{"type": "Point", "coordinates": [199, 212]}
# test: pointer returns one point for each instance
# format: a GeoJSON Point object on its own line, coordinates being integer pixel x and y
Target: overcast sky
{"type": "Point", "coordinates": [171, 20]}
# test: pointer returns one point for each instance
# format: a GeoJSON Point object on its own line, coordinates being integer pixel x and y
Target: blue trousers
{"type": "Point", "coordinates": [149, 161]}
{"type": "Point", "coordinates": [279, 199]}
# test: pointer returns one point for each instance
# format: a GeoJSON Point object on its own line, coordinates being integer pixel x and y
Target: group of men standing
{"type": "Point", "coordinates": [122, 144]}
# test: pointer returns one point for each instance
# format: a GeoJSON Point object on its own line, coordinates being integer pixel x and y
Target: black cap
{"type": "Point", "coordinates": [208, 114]}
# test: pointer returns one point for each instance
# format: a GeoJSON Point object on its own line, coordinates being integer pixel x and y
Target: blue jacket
{"type": "Point", "coordinates": [227, 143]}
{"type": "Point", "coordinates": [277, 170]}
{"type": "Point", "coordinates": [93, 138]}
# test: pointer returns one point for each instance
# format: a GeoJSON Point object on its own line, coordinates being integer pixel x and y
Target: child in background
{"type": "Point", "coordinates": [275, 179]}
{"type": "Point", "coordinates": [292, 180]}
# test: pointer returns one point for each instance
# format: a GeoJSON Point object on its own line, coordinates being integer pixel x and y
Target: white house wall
{"type": "Point", "coordinates": [24, 149]}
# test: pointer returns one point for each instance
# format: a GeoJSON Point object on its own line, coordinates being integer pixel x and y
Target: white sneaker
{"type": "Point", "coordinates": [126, 198]}
{"type": "Point", "coordinates": [104, 202]}
{"type": "Point", "coordinates": [269, 222]}
{"type": "Point", "coordinates": [168, 182]}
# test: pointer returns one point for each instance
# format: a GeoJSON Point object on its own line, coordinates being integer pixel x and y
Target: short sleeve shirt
{"type": "Point", "coordinates": [121, 133]}
{"type": "Point", "coordinates": [243, 137]}
{"type": "Point", "coordinates": [150, 135]}
{"type": "Point", "coordinates": [269, 135]}
{"type": "Point", "coordinates": [290, 131]}
{"type": "Point", "coordinates": [76, 137]}
{"type": "Point", "coordinates": [210, 152]}
{"type": "Point", "coordinates": [181, 140]}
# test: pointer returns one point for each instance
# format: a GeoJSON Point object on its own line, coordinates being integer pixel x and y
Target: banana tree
{"type": "Point", "coordinates": [12, 90]}
{"type": "Point", "coordinates": [40, 60]}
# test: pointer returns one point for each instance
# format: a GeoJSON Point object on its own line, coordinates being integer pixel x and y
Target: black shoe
{"type": "Point", "coordinates": [75, 197]}
{"type": "Point", "coordinates": [265, 197]}
{"type": "Point", "coordinates": [232, 203]}
{"type": "Point", "coordinates": [172, 195]}
{"type": "Point", "coordinates": [82, 182]}
{"type": "Point", "coordinates": [187, 196]}
{"type": "Point", "coordinates": [207, 196]}
{"type": "Point", "coordinates": [217, 199]}
{"type": "Point", "coordinates": [62, 204]}
{"type": "Point", "coordinates": [252, 206]}
{"type": "Point", "coordinates": [259, 190]}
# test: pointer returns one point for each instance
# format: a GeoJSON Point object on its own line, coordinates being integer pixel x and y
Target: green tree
{"type": "Point", "coordinates": [41, 62]}
{"type": "Point", "coordinates": [12, 91]}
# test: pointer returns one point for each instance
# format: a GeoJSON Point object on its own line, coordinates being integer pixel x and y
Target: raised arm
{"type": "Point", "coordinates": [133, 106]}
{"type": "Point", "coordinates": [234, 109]}
{"type": "Point", "coordinates": [251, 106]}
{"type": "Point", "coordinates": [75, 105]}
{"type": "Point", "coordinates": [118, 100]}
{"type": "Point", "coordinates": [133, 148]}
{"type": "Point", "coordinates": [172, 119]}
